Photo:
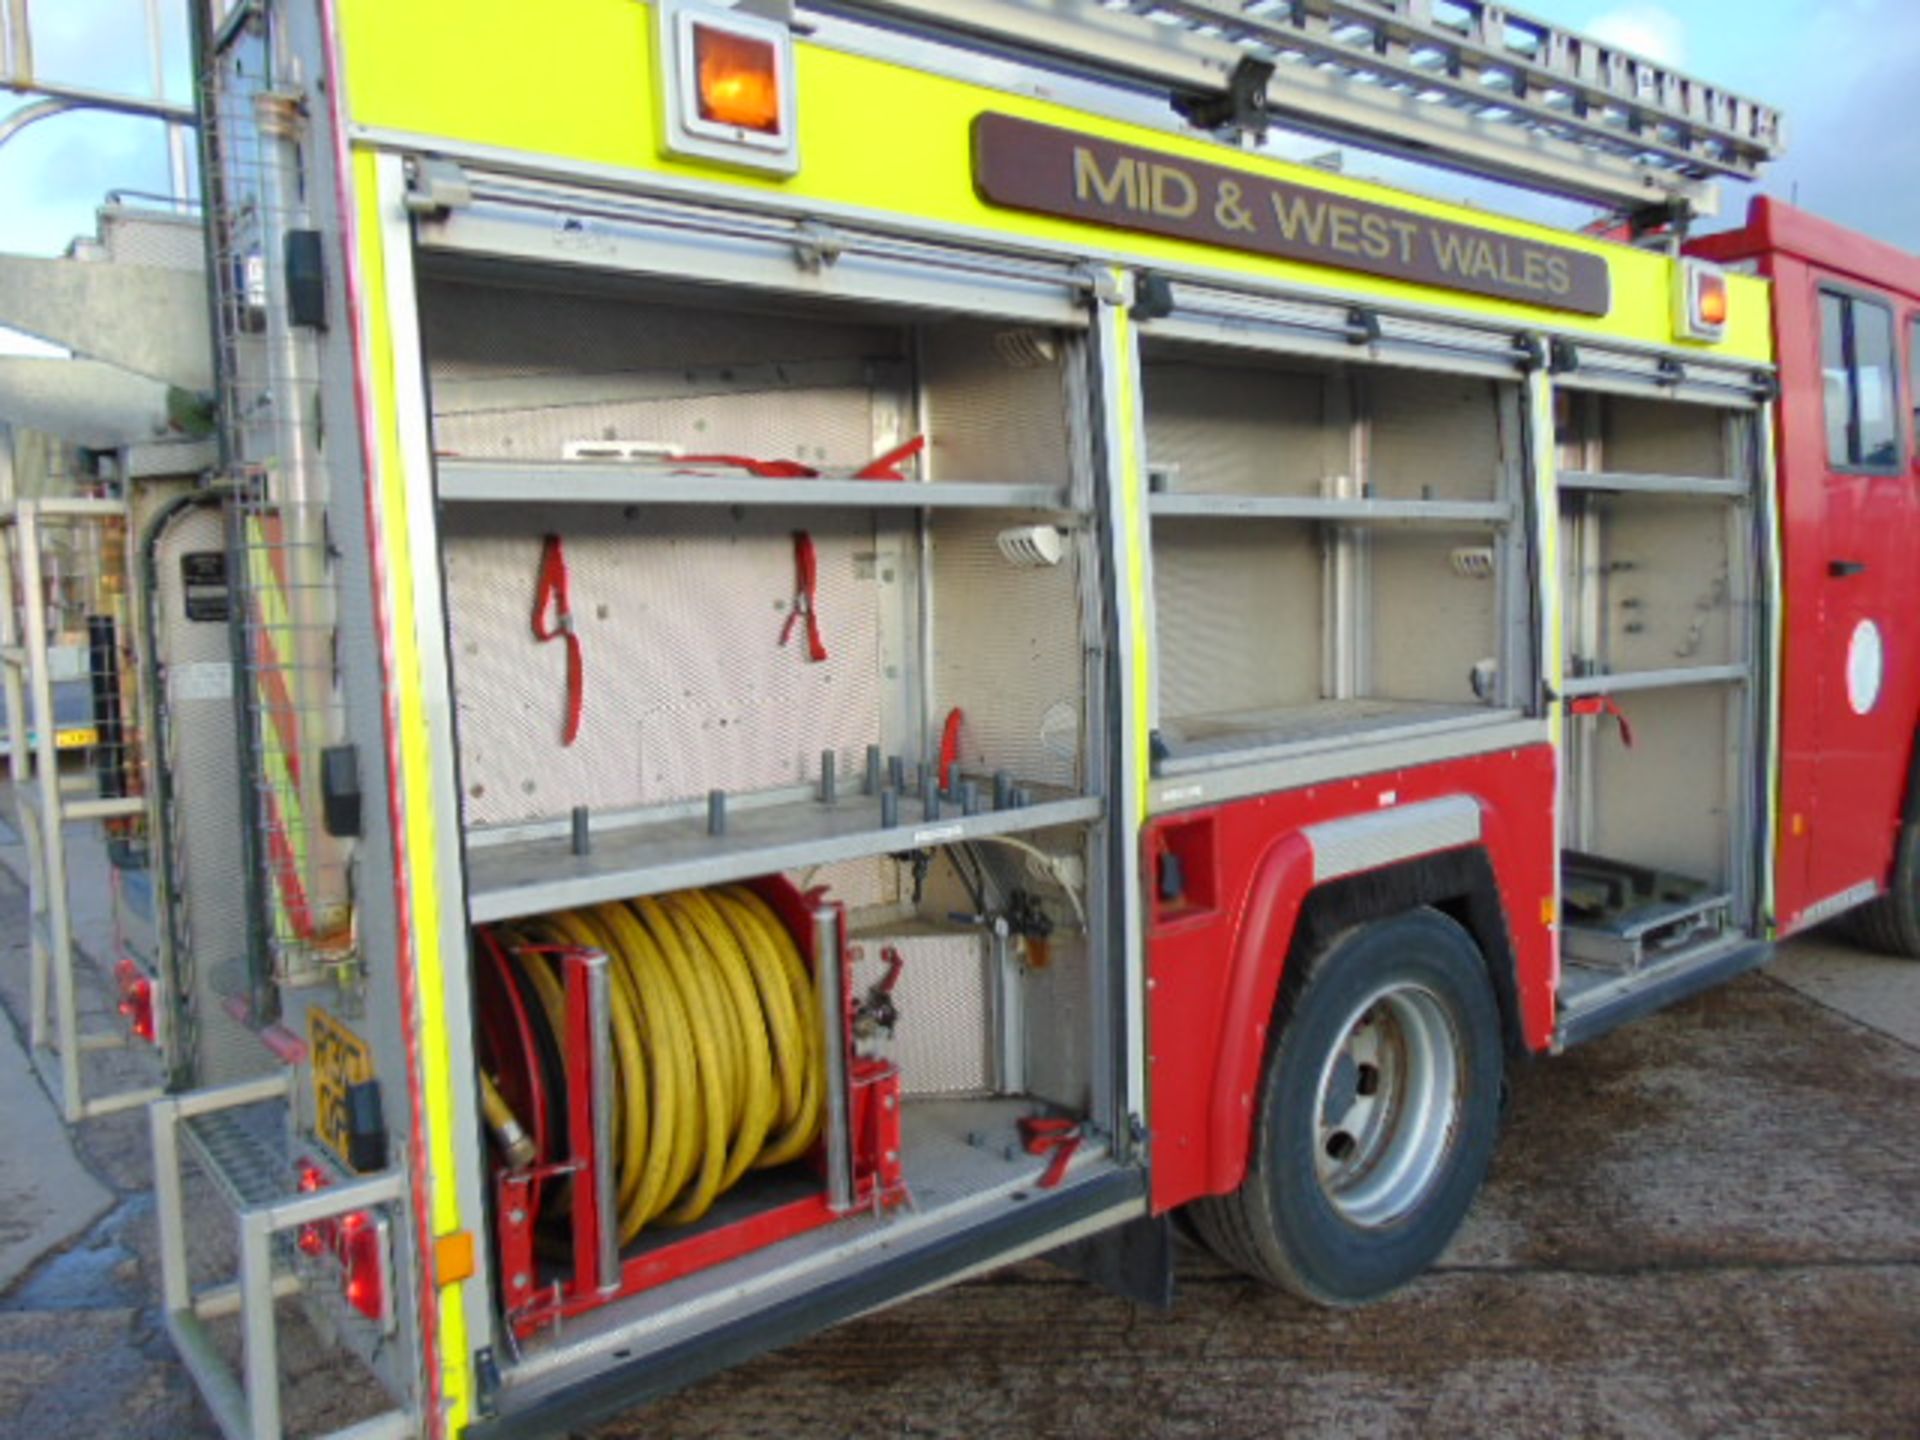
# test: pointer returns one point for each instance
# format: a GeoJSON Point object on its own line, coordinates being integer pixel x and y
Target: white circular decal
{"type": "Point", "coordinates": [1865, 663]}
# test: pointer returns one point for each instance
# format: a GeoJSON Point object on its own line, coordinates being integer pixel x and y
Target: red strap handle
{"type": "Point", "coordinates": [1050, 1135]}
{"type": "Point", "coordinates": [887, 466]}
{"type": "Point", "coordinates": [553, 592]}
{"type": "Point", "coordinates": [765, 469]}
{"type": "Point", "coordinates": [1603, 705]}
{"type": "Point", "coordinates": [806, 566]}
{"type": "Point", "coordinates": [950, 747]}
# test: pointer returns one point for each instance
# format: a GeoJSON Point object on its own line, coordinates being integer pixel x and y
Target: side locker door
{"type": "Point", "coordinates": [1864, 646]}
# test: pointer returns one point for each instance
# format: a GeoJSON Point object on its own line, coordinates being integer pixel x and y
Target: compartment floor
{"type": "Point", "coordinates": [1314, 721]}
{"type": "Point", "coordinates": [954, 1151]}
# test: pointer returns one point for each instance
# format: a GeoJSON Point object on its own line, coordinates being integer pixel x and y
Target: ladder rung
{"type": "Point", "coordinates": [1492, 91]}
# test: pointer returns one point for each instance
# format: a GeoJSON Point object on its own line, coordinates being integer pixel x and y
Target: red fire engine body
{"type": "Point", "coordinates": [1846, 322]}
{"type": "Point", "coordinates": [1275, 649]}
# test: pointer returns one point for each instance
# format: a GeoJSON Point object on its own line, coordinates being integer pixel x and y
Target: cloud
{"type": "Point", "coordinates": [1651, 31]}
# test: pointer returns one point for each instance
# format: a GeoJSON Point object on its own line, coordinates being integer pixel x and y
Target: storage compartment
{"type": "Point", "coordinates": [800, 597]}
{"type": "Point", "coordinates": [1658, 551]}
{"type": "Point", "coordinates": [1333, 553]}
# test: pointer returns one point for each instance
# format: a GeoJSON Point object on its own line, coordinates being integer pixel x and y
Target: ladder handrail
{"type": "Point", "coordinates": [1493, 91]}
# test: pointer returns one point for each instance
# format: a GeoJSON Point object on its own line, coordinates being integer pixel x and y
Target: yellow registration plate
{"type": "Point", "coordinates": [76, 738]}
{"type": "Point", "coordinates": [340, 1059]}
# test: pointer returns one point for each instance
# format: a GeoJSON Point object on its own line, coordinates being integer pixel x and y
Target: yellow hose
{"type": "Point", "coordinates": [716, 1039]}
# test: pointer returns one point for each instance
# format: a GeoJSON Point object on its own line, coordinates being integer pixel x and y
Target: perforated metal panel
{"type": "Point", "coordinates": [942, 1042]}
{"type": "Point", "coordinates": [1429, 623]}
{"type": "Point", "coordinates": [1433, 437]}
{"type": "Point", "coordinates": [1007, 651]}
{"type": "Point", "coordinates": [687, 687]}
{"type": "Point", "coordinates": [994, 404]}
{"type": "Point", "coordinates": [1238, 609]}
{"type": "Point", "coordinates": [1663, 438]}
{"type": "Point", "coordinates": [1241, 427]}
{"type": "Point", "coordinates": [1660, 582]}
{"type": "Point", "coordinates": [524, 372]}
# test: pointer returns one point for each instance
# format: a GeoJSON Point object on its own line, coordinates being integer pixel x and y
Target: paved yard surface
{"type": "Point", "coordinates": [1704, 1225]}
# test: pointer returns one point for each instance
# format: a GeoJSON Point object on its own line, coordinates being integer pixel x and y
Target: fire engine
{"type": "Point", "coordinates": [834, 643]}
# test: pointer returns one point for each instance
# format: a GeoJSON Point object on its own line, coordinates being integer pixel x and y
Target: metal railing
{"type": "Point", "coordinates": [47, 549]}
{"type": "Point", "coordinates": [246, 1405]}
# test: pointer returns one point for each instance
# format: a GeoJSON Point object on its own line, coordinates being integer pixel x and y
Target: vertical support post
{"type": "Point", "coordinates": [20, 764]}
{"type": "Point", "coordinates": [606, 1201]}
{"type": "Point", "coordinates": [176, 1294]}
{"type": "Point", "coordinates": [176, 134]}
{"type": "Point", "coordinates": [582, 1140]}
{"type": "Point", "coordinates": [19, 56]}
{"type": "Point", "coordinates": [262, 1378]}
{"type": "Point", "coordinates": [1120, 989]}
{"type": "Point", "coordinates": [46, 782]}
{"type": "Point", "coordinates": [829, 979]}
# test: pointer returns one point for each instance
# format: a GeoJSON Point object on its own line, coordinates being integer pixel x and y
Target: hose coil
{"type": "Point", "coordinates": [718, 1053]}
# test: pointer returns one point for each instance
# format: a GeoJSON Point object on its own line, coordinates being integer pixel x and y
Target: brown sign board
{"type": "Point", "coordinates": [1026, 166]}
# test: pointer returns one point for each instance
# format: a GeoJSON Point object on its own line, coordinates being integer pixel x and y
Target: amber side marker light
{"type": "Point", "coordinates": [727, 86]}
{"type": "Point", "coordinates": [1713, 299]}
{"type": "Point", "coordinates": [739, 79]}
{"type": "Point", "coordinates": [1702, 304]}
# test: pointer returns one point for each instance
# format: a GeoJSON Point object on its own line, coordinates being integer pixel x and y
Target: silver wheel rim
{"type": "Point", "coordinates": [1387, 1105]}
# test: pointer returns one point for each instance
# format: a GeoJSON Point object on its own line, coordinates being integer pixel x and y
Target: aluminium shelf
{"type": "Point", "coordinates": [592, 482]}
{"type": "Point", "coordinates": [1166, 505]}
{"type": "Point", "coordinates": [1575, 687]}
{"type": "Point", "coordinates": [532, 876]}
{"type": "Point", "coordinates": [1638, 483]}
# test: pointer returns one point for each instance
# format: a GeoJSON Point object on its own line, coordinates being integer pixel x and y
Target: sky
{"type": "Point", "coordinates": [1843, 71]}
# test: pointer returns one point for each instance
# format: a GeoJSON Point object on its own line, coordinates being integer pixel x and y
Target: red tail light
{"type": "Point", "coordinates": [357, 1241]}
{"type": "Point", "coordinates": [136, 999]}
{"type": "Point", "coordinates": [363, 1264]}
{"type": "Point", "coordinates": [312, 1239]}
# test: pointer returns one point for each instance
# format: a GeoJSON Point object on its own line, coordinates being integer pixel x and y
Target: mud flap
{"type": "Point", "coordinates": [1134, 1260]}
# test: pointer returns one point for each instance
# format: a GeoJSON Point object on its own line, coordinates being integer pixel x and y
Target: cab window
{"type": "Point", "coordinates": [1913, 377]}
{"type": "Point", "coordinates": [1859, 391]}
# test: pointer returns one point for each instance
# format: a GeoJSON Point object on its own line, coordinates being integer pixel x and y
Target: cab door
{"type": "Point", "coordinates": [1865, 651]}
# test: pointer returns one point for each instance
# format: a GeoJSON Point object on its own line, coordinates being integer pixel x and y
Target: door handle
{"type": "Point", "coordinates": [1846, 569]}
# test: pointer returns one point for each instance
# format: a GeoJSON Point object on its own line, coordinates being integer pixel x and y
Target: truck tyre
{"type": "Point", "coordinates": [1891, 923]}
{"type": "Point", "coordinates": [1378, 1106]}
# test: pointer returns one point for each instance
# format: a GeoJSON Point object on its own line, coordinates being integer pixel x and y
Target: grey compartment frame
{"type": "Point", "coordinates": [1354, 531]}
{"type": "Point", "coordinates": [928, 526]}
{"type": "Point", "coordinates": [1645, 455]}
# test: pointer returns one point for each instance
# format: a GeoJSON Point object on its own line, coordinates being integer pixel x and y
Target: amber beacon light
{"type": "Point", "coordinates": [1701, 301]}
{"type": "Point", "coordinates": [728, 86]}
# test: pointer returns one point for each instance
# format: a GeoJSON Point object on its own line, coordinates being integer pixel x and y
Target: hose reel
{"type": "Point", "coordinates": [718, 1049]}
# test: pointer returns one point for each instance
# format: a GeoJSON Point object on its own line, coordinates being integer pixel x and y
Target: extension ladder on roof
{"type": "Point", "coordinates": [1464, 83]}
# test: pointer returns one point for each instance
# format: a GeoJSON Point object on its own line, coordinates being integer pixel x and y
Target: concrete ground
{"type": "Point", "coordinates": [1705, 1224]}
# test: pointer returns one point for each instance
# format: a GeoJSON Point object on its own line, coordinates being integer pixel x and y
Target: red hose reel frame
{"type": "Point", "coordinates": [534, 1301]}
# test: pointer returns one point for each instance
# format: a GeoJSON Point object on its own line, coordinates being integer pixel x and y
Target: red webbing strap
{"type": "Point", "coordinates": [806, 584]}
{"type": "Point", "coordinates": [950, 747]}
{"type": "Point", "coordinates": [1603, 705]}
{"type": "Point", "coordinates": [554, 593]}
{"type": "Point", "coordinates": [887, 466]}
{"type": "Point", "coordinates": [765, 469]}
{"type": "Point", "coordinates": [1050, 1135]}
